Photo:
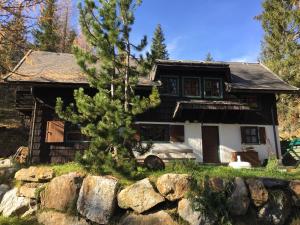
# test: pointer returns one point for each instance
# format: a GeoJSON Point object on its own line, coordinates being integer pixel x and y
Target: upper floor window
{"type": "Point", "coordinates": [191, 86]}
{"type": "Point", "coordinates": [213, 88]}
{"type": "Point", "coordinates": [169, 86]}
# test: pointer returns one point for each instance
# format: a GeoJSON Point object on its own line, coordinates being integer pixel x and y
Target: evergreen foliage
{"type": "Point", "coordinates": [158, 47]}
{"type": "Point", "coordinates": [106, 117]}
{"type": "Point", "coordinates": [209, 57]}
{"type": "Point", "coordinates": [13, 43]}
{"type": "Point", "coordinates": [46, 35]}
{"type": "Point", "coordinates": [281, 53]}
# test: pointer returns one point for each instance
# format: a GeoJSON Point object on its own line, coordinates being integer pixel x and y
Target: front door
{"type": "Point", "coordinates": [210, 144]}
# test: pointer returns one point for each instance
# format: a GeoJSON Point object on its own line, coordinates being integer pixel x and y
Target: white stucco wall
{"type": "Point", "coordinates": [229, 139]}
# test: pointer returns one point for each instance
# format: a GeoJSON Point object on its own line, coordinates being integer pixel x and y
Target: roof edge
{"type": "Point", "coordinates": [18, 65]}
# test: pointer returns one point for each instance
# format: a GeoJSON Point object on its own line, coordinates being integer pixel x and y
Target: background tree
{"type": "Point", "coordinates": [113, 70]}
{"type": "Point", "coordinates": [281, 53]}
{"type": "Point", "coordinates": [46, 35]}
{"type": "Point", "coordinates": [13, 42]}
{"type": "Point", "coordinates": [66, 33]}
{"type": "Point", "coordinates": [158, 47]}
{"type": "Point", "coordinates": [208, 57]}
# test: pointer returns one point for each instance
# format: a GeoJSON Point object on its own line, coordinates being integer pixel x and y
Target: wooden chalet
{"type": "Point", "coordinates": [209, 111]}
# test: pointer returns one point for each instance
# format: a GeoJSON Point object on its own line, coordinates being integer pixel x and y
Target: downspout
{"type": "Point", "coordinates": [32, 127]}
{"type": "Point", "coordinates": [274, 132]}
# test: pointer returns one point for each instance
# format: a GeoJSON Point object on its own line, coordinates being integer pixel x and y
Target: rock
{"type": "Point", "coordinates": [157, 218]}
{"type": "Point", "coordinates": [140, 196]}
{"type": "Point", "coordinates": [277, 210]}
{"type": "Point", "coordinates": [173, 186]}
{"type": "Point", "coordinates": [62, 191]}
{"type": "Point", "coordinates": [274, 183]}
{"type": "Point", "coordinates": [29, 190]}
{"type": "Point", "coordinates": [6, 163]}
{"type": "Point", "coordinates": [58, 218]}
{"type": "Point", "coordinates": [239, 201]}
{"type": "Point", "coordinates": [259, 193]}
{"type": "Point", "coordinates": [3, 189]}
{"type": "Point", "coordinates": [11, 204]}
{"type": "Point", "coordinates": [217, 184]}
{"type": "Point", "coordinates": [295, 187]}
{"type": "Point", "coordinates": [248, 219]}
{"type": "Point", "coordinates": [97, 198]}
{"type": "Point", "coordinates": [35, 174]}
{"type": "Point", "coordinates": [186, 212]}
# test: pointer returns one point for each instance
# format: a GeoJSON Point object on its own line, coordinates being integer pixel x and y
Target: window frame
{"type": "Point", "coordinates": [261, 136]}
{"type": "Point", "coordinates": [200, 87]}
{"type": "Point", "coordinates": [177, 86]}
{"type": "Point", "coordinates": [169, 134]}
{"type": "Point", "coordinates": [221, 88]}
{"type": "Point", "coordinates": [68, 130]}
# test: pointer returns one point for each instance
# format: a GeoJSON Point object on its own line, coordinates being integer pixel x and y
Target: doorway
{"type": "Point", "coordinates": [210, 144]}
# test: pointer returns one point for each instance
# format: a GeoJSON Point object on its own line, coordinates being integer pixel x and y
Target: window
{"type": "Point", "coordinates": [253, 135]}
{"type": "Point", "coordinates": [169, 86]}
{"type": "Point", "coordinates": [213, 88]}
{"type": "Point", "coordinates": [73, 134]}
{"type": "Point", "coordinates": [191, 86]}
{"type": "Point", "coordinates": [160, 132]}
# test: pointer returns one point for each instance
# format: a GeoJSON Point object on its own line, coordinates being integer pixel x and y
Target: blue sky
{"type": "Point", "coordinates": [192, 28]}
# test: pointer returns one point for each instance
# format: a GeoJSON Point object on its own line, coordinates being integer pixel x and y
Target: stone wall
{"type": "Point", "coordinates": [78, 199]}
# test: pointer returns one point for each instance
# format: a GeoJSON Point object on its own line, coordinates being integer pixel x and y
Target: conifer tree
{"type": "Point", "coordinates": [281, 53]}
{"type": "Point", "coordinates": [107, 116]}
{"type": "Point", "coordinates": [13, 42]}
{"type": "Point", "coordinates": [158, 47]}
{"type": "Point", "coordinates": [46, 36]}
{"type": "Point", "coordinates": [209, 57]}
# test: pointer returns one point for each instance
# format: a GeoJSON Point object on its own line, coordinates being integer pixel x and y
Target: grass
{"type": "Point", "coordinates": [198, 171]}
{"type": "Point", "coordinates": [17, 221]}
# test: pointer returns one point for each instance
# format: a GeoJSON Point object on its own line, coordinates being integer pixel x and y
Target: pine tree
{"type": "Point", "coordinates": [46, 36]}
{"type": "Point", "coordinates": [13, 42]}
{"type": "Point", "coordinates": [281, 53]}
{"type": "Point", "coordinates": [209, 58]}
{"type": "Point", "coordinates": [112, 70]}
{"type": "Point", "coordinates": [158, 47]}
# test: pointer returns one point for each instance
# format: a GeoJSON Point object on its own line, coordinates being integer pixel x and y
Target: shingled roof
{"type": "Point", "coordinates": [60, 68]}
{"type": "Point", "coordinates": [42, 67]}
{"type": "Point", "coordinates": [244, 76]}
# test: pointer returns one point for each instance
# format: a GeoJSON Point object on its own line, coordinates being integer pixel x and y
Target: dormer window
{"type": "Point", "coordinates": [191, 87]}
{"type": "Point", "coordinates": [169, 85]}
{"type": "Point", "coordinates": [213, 88]}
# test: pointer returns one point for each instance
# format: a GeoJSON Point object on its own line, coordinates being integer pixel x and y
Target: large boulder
{"type": "Point", "coordinates": [6, 163]}
{"type": "Point", "coordinates": [239, 201]}
{"type": "Point", "coordinates": [29, 190]}
{"type": "Point", "coordinates": [97, 198]}
{"type": "Point", "coordinates": [186, 212]}
{"type": "Point", "coordinates": [140, 196]}
{"type": "Point", "coordinates": [295, 188]}
{"type": "Point", "coordinates": [58, 218]}
{"type": "Point", "coordinates": [258, 192]}
{"type": "Point", "coordinates": [217, 184]}
{"type": "Point", "coordinates": [275, 183]}
{"type": "Point", "coordinates": [3, 189]}
{"type": "Point", "coordinates": [173, 186]}
{"type": "Point", "coordinates": [277, 210]}
{"type": "Point", "coordinates": [158, 218]}
{"type": "Point", "coordinates": [62, 191]}
{"type": "Point", "coordinates": [35, 174]}
{"type": "Point", "coordinates": [11, 204]}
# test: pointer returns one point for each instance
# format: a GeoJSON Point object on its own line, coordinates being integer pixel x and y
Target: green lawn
{"type": "Point", "coordinates": [17, 221]}
{"type": "Point", "coordinates": [190, 167]}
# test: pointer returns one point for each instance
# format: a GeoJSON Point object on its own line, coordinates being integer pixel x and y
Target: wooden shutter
{"type": "Point", "coordinates": [55, 132]}
{"type": "Point", "coordinates": [243, 135]}
{"type": "Point", "coordinates": [176, 133]}
{"type": "Point", "coordinates": [262, 135]}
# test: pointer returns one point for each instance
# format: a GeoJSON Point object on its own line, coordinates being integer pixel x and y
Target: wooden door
{"type": "Point", "coordinates": [210, 144]}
